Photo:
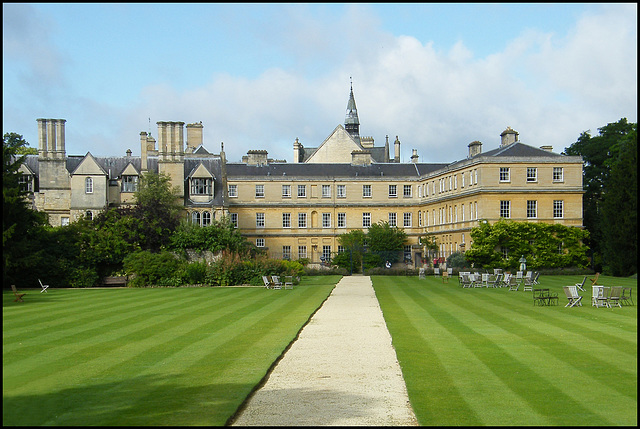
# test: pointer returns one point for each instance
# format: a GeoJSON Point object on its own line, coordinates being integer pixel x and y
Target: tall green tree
{"type": "Point", "coordinates": [620, 210]}
{"type": "Point", "coordinates": [20, 223]}
{"type": "Point", "coordinates": [157, 211]}
{"type": "Point", "coordinates": [385, 243]}
{"type": "Point", "coordinates": [601, 154]}
{"type": "Point", "coordinates": [353, 243]}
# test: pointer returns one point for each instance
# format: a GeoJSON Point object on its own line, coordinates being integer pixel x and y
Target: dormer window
{"type": "Point", "coordinates": [201, 186]}
{"type": "Point", "coordinates": [129, 183]}
{"type": "Point", "coordinates": [26, 183]}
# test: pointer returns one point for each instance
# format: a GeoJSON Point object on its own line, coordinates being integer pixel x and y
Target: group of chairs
{"type": "Point", "coordinates": [19, 295]}
{"type": "Point", "coordinates": [498, 279]}
{"type": "Point", "coordinates": [601, 296]}
{"type": "Point", "coordinates": [275, 283]}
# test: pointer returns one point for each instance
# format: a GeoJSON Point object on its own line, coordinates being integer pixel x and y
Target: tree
{"type": "Point", "coordinates": [20, 223]}
{"type": "Point", "coordinates": [353, 243]}
{"type": "Point", "coordinates": [219, 235]}
{"type": "Point", "coordinates": [620, 210]}
{"type": "Point", "coordinates": [385, 243]}
{"type": "Point", "coordinates": [600, 154]}
{"type": "Point", "coordinates": [157, 211]}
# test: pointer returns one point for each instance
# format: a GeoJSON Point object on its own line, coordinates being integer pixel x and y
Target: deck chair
{"type": "Point", "coordinates": [594, 281]}
{"type": "Point", "coordinates": [445, 277]}
{"type": "Point", "coordinates": [18, 295]}
{"type": "Point", "coordinates": [527, 283]}
{"type": "Point", "coordinates": [44, 287]}
{"type": "Point", "coordinates": [465, 281]}
{"type": "Point", "coordinates": [581, 285]}
{"type": "Point", "coordinates": [266, 281]}
{"type": "Point", "coordinates": [512, 283]}
{"type": "Point", "coordinates": [277, 284]}
{"type": "Point", "coordinates": [572, 295]}
{"type": "Point", "coordinates": [421, 274]}
{"type": "Point", "coordinates": [288, 282]}
{"type": "Point", "coordinates": [436, 272]}
{"type": "Point", "coordinates": [499, 280]}
{"type": "Point", "coordinates": [625, 298]}
{"type": "Point", "coordinates": [613, 299]}
{"type": "Point", "coordinates": [536, 276]}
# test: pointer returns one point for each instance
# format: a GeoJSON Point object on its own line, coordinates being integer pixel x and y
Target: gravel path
{"type": "Point", "coordinates": [342, 370]}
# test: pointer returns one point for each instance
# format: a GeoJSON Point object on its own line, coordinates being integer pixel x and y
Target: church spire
{"type": "Point", "coordinates": [351, 122]}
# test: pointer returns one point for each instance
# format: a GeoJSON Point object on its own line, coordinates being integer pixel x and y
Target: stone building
{"type": "Point", "coordinates": [298, 209]}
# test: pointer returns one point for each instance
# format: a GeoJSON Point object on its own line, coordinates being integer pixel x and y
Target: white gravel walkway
{"type": "Point", "coordinates": [342, 370]}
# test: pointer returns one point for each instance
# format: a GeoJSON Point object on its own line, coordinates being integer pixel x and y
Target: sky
{"type": "Point", "coordinates": [258, 76]}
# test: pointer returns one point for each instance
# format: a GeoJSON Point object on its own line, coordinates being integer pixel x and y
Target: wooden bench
{"type": "Point", "coordinates": [115, 280]}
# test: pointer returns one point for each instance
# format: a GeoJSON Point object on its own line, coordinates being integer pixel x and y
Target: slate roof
{"type": "Point", "coordinates": [300, 170]}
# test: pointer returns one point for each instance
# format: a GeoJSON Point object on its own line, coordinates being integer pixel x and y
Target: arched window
{"type": "Point", "coordinates": [88, 215]}
{"type": "Point", "coordinates": [88, 185]}
{"type": "Point", "coordinates": [195, 218]}
{"type": "Point", "coordinates": [206, 218]}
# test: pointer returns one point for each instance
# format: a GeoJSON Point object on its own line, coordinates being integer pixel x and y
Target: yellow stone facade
{"type": "Point", "coordinates": [299, 209]}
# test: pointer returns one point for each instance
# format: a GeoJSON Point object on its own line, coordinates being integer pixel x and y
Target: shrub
{"type": "Point", "coordinates": [149, 268]}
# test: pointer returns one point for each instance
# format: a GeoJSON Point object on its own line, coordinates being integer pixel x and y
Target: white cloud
{"type": "Point", "coordinates": [549, 89]}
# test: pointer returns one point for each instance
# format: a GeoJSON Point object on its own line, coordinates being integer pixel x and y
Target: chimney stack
{"type": "Point", "coordinates": [508, 136]}
{"type": "Point", "coordinates": [475, 148]}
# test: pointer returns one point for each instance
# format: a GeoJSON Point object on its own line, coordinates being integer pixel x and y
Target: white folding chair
{"type": "Point", "coordinates": [44, 287]}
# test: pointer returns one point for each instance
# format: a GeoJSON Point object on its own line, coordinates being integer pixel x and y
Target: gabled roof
{"type": "Point", "coordinates": [89, 162]}
{"type": "Point", "coordinates": [339, 141]}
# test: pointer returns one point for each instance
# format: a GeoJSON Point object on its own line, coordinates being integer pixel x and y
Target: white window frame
{"type": "Point", "coordinates": [558, 174]}
{"type": "Point", "coordinates": [260, 220]}
{"type": "Point", "coordinates": [326, 191]}
{"type": "Point", "coordinates": [286, 191]}
{"type": "Point", "coordinates": [88, 185]}
{"type": "Point", "coordinates": [326, 220]}
{"type": "Point", "coordinates": [259, 242]}
{"type": "Point", "coordinates": [302, 220]}
{"type": "Point", "coordinates": [341, 191]}
{"type": "Point", "coordinates": [342, 220]}
{"type": "Point", "coordinates": [558, 209]}
{"type": "Point", "coordinates": [366, 219]}
{"type": "Point", "coordinates": [532, 209]}
{"type": "Point", "coordinates": [302, 191]}
{"type": "Point", "coordinates": [286, 220]}
{"type": "Point", "coordinates": [234, 219]}
{"type": "Point", "coordinates": [259, 191]}
{"type": "Point", "coordinates": [233, 191]}
{"type": "Point", "coordinates": [532, 174]}
{"type": "Point", "coordinates": [393, 191]}
{"type": "Point", "coordinates": [366, 191]}
{"type": "Point", "coordinates": [505, 174]}
{"type": "Point", "coordinates": [407, 219]}
{"type": "Point", "coordinates": [393, 219]}
{"type": "Point", "coordinates": [505, 209]}
{"type": "Point", "coordinates": [407, 191]}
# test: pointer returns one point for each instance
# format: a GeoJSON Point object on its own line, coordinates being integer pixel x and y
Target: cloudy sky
{"type": "Point", "coordinates": [258, 76]}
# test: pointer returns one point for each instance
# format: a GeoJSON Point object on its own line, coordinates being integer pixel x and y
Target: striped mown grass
{"type": "Point", "coordinates": [161, 356]}
{"type": "Point", "coordinates": [489, 357]}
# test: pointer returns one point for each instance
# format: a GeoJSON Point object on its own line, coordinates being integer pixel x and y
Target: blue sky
{"type": "Point", "coordinates": [259, 76]}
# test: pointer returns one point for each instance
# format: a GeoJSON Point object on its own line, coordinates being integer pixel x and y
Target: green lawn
{"type": "Point", "coordinates": [161, 356]}
{"type": "Point", "coordinates": [489, 357]}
